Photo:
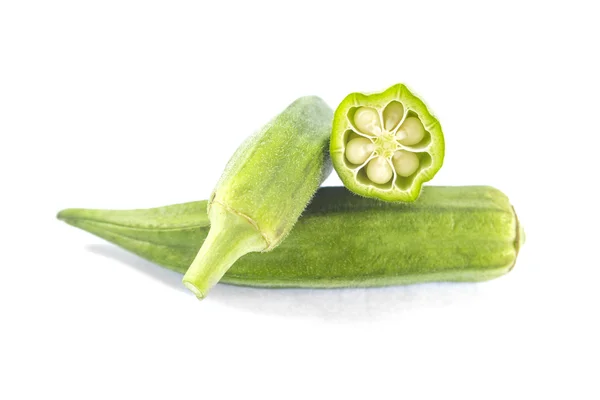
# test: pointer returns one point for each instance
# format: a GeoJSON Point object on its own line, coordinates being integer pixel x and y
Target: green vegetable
{"type": "Point", "coordinates": [265, 187]}
{"type": "Point", "coordinates": [450, 234]}
{"type": "Point", "coordinates": [386, 145]}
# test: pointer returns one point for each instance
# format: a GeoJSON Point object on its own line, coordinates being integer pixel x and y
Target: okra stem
{"type": "Point", "coordinates": [231, 236]}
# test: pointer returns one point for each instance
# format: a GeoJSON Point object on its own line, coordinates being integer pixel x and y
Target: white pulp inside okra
{"type": "Point", "coordinates": [383, 140]}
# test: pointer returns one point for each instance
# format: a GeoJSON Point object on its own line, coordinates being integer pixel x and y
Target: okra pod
{"type": "Point", "coordinates": [468, 233]}
{"type": "Point", "coordinates": [265, 187]}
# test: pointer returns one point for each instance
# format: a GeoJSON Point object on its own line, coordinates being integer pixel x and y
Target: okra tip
{"type": "Point", "coordinates": [73, 216]}
{"type": "Point", "coordinates": [520, 239]}
{"type": "Point", "coordinates": [65, 214]}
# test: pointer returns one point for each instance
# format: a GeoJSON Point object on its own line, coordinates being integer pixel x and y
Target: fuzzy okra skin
{"type": "Point", "coordinates": [463, 234]}
{"type": "Point", "coordinates": [386, 145]}
{"type": "Point", "coordinates": [265, 187]}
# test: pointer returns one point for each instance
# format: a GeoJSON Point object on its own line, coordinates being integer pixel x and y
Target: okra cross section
{"type": "Point", "coordinates": [386, 145]}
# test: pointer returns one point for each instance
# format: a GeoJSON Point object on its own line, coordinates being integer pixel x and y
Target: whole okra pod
{"type": "Point", "coordinates": [468, 233]}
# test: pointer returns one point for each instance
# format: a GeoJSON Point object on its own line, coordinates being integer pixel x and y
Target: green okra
{"type": "Point", "coordinates": [386, 145]}
{"type": "Point", "coordinates": [466, 233]}
{"type": "Point", "coordinates": [265, 187]}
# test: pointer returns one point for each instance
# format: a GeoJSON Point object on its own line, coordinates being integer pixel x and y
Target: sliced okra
{"type": "Point", "coordinates": [386, 145]}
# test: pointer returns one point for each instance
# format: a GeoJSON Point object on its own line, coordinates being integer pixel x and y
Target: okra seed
{"type": "Point", "coordinates": [358, 150]}
{"type": "Point", "coordinates": [411, 132]}
{"type": "Point", "coordinates": [405, 162]}
{"type": "Point", "coordinates": [392, 115]}
{"type": "Point", "coordinates": [366, 120]}
{"type": "Point", "coordinates": [379, 170]}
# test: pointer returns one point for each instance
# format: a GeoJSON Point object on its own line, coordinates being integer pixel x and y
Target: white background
{"type": "Point", "coordinates": [123, 104]}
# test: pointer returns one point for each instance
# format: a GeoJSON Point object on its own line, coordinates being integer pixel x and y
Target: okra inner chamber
{"type": "Point", "coordinates": [386, 146]}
